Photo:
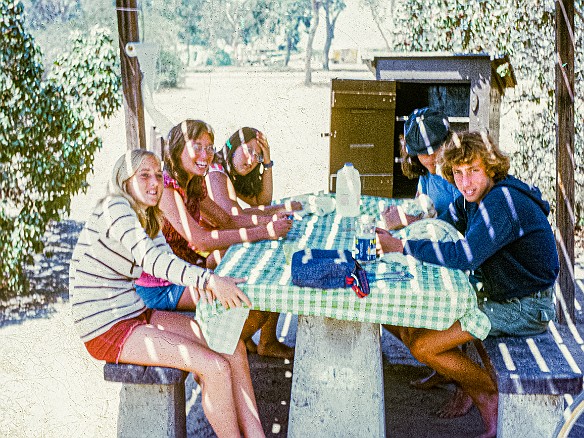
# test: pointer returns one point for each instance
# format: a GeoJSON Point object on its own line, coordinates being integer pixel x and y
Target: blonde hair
{"type": "Point", "coordinates": [125, 168]}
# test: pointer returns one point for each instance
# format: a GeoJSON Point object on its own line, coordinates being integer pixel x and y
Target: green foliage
{"type": "Point", "coordinates": [47, 134]}
{"type": "Point", "coordinates": [219, 58]}
{"type": "Point", "coordinates": [524, 29]}
{"type": "Point", "coordinates": [169, 68]}
{"type": "Point", "coordinates": [43, 12]}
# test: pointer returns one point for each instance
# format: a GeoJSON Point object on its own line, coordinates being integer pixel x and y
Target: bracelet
{"type": "Point", "coordinates": [269, 165]}
{"type": "Point", "coordinates": [206, 277]}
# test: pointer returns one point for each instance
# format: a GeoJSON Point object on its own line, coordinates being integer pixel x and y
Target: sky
{"type": "Point", "coordinates": [355, 29]}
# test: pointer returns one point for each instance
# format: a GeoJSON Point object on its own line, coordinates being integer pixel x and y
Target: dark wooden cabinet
{"type": "Point", "coordinates": [361, 132]}
{"type": "Point", "coordinates": [367, 117]}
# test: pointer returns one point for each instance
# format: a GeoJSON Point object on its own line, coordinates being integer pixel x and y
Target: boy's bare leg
{"type": "Point", "coordinates": [269, 344]}
{"type": "Point", "coordinates": [457, 406]}
{"type": "Point", "coordinates": [438, 349]}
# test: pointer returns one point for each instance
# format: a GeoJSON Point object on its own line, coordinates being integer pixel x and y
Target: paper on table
{"type": "Point", "coordinates": [320, 205]}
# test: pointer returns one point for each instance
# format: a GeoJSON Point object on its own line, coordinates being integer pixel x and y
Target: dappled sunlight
{"type": "Point", "coordinates": [243, 234]}
{"type": "Point", "coordinates": [271, 230]}
{"type": "Point", "coordinates": [183, 351]}
{"type": "Point", "coordinates": [151, 350]}
{"type": "Point", "coordinates": [183, 214]}
{"type": "Point", "coordinates": [487, 219]}
{"type": "Point", "coordinates": [249, 403]}
{"type": "Point", "coordinates": [217, 256]}
{"type": "Point", "coordinates": [234, 260]}
{"type": "Point", "coordinates": [261, 264]}
{"type": "Point", "coordinates": [560, 241]}
{"type": "Point", "coordinates": [192, 400]}
{"type": "Point", "coordinates": [330, 241]}
{"type": "Point", "coordinates": [285, 327]}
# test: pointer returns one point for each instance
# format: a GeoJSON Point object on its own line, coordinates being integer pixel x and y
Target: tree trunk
{"type": "Point", "coordinates": [311, 35]}
{"type": "Point", "coordinates": [288, 45]}
{"type": "Point", "coordinates": [327, 46]}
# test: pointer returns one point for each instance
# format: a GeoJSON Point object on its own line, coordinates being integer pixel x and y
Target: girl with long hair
{"type": "Point", "coordinates": [122, 239]}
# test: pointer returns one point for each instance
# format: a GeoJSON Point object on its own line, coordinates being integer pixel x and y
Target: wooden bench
{"type": "Point", "coordinates": [152, 400]}
{"type": "Point", "coordinates": [532, 374]}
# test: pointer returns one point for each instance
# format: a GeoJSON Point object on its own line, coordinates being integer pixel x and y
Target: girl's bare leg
{"type": "Point", "coordinates": [243, 393]}
{"type": "Point", "coordinates": [188, 300]}
{"type": "Point", "coordinates": [175, 340]}
{"type": "Point", "coordinates": [245, 401]}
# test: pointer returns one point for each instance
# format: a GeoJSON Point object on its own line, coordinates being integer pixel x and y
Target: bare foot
{"type": "Point", "coordinates": [276, 349]}
{"type": "Point", "coordinates": [430, 381]}
{"type": "Point", "coordinates": [458, 405]}
{"type": "Point", "coordinates": [487, 405]}
{"type": "Point", "coordinates": [251, 346]}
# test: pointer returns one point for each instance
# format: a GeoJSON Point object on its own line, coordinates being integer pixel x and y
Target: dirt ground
{"type": "Point", "coordinates": [49, 386]}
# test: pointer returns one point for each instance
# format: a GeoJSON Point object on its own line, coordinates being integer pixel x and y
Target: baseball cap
{"type": "Point", "coordinates": [425, 131]}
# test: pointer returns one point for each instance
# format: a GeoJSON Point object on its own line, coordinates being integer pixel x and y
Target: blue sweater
{"type": "Point", "coordinates": [506, 236]}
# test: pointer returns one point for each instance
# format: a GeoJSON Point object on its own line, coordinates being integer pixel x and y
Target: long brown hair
{"type": "Point", "coordinates": [179, 135]}
{"type": "Point", "coordinates": [246, 185]}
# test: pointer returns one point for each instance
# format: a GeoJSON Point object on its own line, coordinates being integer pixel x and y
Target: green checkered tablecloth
{"type": "Point", "coordinates": [434, 298]}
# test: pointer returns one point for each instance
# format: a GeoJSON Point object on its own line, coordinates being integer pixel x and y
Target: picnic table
{"type": "Point", "coordinates": [337, 386]}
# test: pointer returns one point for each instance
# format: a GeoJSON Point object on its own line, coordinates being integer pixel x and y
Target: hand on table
{"type": "Point", "coordinates": [279, 228]}
{"type": "Point", "coordinates": [225, 289]}
{"type": "Point", "coordinates": [387, 243]}
{"type": "Point", "coordinates": [395, 218]}
{"type": "Point", "coordinates": [294, 205]}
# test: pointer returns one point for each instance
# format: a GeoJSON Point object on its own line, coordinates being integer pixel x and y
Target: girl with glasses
{"type": "Point", "coordinates": [242, 170]}
{"type": "Point", "coordinates": [194, 225]}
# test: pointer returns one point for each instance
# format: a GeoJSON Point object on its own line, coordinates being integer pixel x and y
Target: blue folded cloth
{"type": "Point", "coordinates": [322, 268]}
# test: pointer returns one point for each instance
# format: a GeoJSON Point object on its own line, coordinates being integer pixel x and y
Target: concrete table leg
{"type": "Point", "coordinates": [337, 383]}
{"type": "Point", "coordinates": [529, 415]}
{"type": "Point", "coordinates": [152, 410]}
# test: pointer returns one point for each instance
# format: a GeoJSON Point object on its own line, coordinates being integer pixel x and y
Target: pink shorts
{"type": "Point", "coordinates": [108, 346]}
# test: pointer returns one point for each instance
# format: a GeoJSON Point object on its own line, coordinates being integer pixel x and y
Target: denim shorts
{"type": "Point", "coordinates": [525, 316]}
{"type": "Point", "coordinates": [161, 297]}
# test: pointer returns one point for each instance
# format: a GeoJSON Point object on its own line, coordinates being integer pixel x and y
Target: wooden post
{"type": "Point", "coordinates": [565, 219]}
{"type": "Point", "coordinates": [127, 13]}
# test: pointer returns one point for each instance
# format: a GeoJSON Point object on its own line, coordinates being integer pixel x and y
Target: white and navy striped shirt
{"type": "Point", "coordinates": [112, 250]}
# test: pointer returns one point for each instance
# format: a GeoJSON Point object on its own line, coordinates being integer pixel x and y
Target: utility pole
{"type": "Point", "coordinates": [565, 217]}
{"type": "Point", "coordinates": [127, 12]}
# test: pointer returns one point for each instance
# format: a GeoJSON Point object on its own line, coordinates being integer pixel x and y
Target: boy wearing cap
{"type": "Point", "coordinates": [426, 130]}
{"type": "Point", "coordinates": [506, 236]}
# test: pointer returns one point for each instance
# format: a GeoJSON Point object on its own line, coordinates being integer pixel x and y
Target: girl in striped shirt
{"type": "Point", "coordinates": [120, 240]}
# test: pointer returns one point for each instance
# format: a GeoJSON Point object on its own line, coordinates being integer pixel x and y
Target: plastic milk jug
{"type": "Point", "coordinates": [348, 196]}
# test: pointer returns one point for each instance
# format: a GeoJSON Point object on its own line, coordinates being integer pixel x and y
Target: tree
{"type": "Point", "coordinates": [298, 14]}
{"type": "Point", "coordinates": [312, 32]}
{"type": "Point", "coordinates": [43, 12]}
{"type": "Point", "coordinates": [379, 12]}
{"type": "Point", "coordinates": [332, 9]}
{"type": "Point", "coordinates": [47, 133]}
{"type": "Point", "coordinates": [523, 29]}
